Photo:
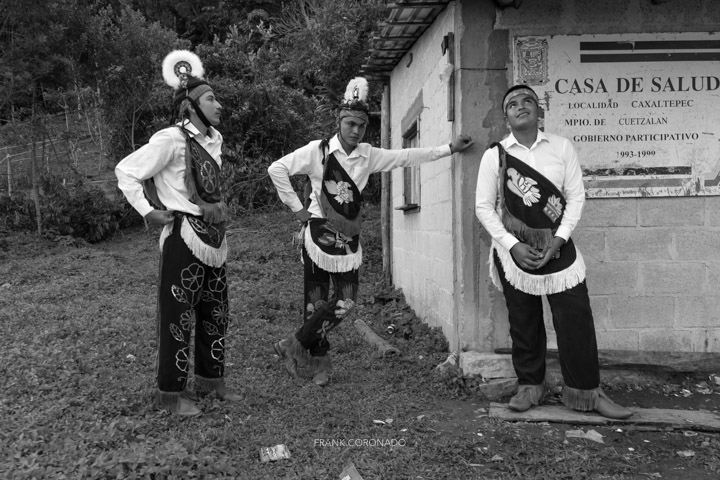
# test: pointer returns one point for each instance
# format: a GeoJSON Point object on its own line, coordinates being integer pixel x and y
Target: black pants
{"type": "Point", "coordinates": [574, 327]}
{"type": "Point", "coordinates": [191, 295]}
{"type": "Point", "coordinates": [320, 313]}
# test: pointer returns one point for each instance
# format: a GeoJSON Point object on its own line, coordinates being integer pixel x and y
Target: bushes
{"type": "Point", "coordinates": [77, 210]}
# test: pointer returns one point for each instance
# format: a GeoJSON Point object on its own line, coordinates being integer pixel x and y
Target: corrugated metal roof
{"type": "Point", "coordinates": [407, 21]}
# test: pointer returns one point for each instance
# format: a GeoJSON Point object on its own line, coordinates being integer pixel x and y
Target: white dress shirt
{"type": "Point", "coordinates": [551, 155]}
{"type": "Point", "coordinates": [163, 159]}
{"type": "Point", "coordinates": [362, 161]}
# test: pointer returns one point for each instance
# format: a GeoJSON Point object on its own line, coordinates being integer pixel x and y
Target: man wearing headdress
{"type": "Point", "coordinates": [174, 180]}
{"type": "Point", "coordinates": [338, 169]}
{"type": "Point", "coordinates": [529, 198]}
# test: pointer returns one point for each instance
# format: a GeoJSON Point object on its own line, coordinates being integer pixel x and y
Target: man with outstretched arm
{"type": "Point", "coordinates": [338, 169]}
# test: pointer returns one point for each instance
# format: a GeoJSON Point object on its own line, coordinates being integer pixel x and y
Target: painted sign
{"type": "Point", "coordinates": [642, 110]}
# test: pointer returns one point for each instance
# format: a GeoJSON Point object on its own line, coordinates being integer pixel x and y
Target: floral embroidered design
{"type": "Point", "coordinates": [523, 187]}
{"type": "Point", "coordinates": [211, 328]}
{"type": "Point", "coordinates": [187, 319]}
{"type": "Point", "coordinates": [176, 333]}
{"type": "Point", "coordinates": [341, 190]}
{"type": "Point", "coordinates": [554, 208]}
{"type": "Point", "coordinates": [315, 296]}
{"type": "Point", "coordinates": [179, 294]}
{"type": "Point", "coordinates": [325, 328]}
{"type": "Point", "coordinates": [217, 282]}
{"type": "Point", "coordinates": [181, 360]}
{"type": "Point", "coordinates": [217, 350]}
{"type": "Point", "coordinates": [208, 176]}
{"type": "Point", "coordinates": [333, 237]}
{"type": "Point", "coordinates": [192, 277]}
{"type": "Point", "coordinates": [198, 225]}
{"type": "Point", "coordinates": [344, 307]}
{"type": "Point", "coordinates": [220, 314]}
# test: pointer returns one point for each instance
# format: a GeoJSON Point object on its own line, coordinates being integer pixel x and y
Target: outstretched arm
{"type": "Point", "coordinates": [382, 160]}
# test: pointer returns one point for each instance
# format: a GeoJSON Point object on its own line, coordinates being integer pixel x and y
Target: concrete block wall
{"type": "Point", "coordinates": [422, 241]}
{"type": "Point", "coordinates": [653, 263]}
{"type": "Point", "coordinates": [653, 266]}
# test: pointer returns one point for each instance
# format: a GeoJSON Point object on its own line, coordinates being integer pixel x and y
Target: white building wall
{"type": "Point", "coordinates": [653, 263]}
{"type": "Point", "coordinates": [422, 240]}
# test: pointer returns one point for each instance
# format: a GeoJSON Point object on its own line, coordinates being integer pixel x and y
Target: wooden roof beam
{"type": "Point", "coordinates": [417, 5]}
{"type": "Point", "coordinates": [405, 24]}
{"type": "Point", "coordinates": [395, 37]}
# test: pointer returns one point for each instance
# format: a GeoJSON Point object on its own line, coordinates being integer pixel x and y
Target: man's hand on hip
{"type": "Point", "coordinates": [160, 217]}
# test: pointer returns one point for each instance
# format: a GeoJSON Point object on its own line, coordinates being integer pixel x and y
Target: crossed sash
{"type": "Point", "coordinates": [532, 208]}
{"type": "Point", "coordinates": [202, 179]}
{"type": "Point", "coordinates": [333, 242]}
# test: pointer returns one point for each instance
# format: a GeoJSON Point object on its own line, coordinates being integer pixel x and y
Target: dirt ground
{"type": "Point", "coordinates": [470, 419]}
{"type": "Point", "coordinates": [78, 325]}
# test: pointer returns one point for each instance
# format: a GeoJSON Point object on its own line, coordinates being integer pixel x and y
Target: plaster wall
{"type": "Point", "coordinates": [422, 241]}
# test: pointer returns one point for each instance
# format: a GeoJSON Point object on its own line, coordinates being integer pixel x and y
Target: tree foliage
{"type": "Point", "coordinates": [125, 54]}
{"type": "Point", "coordinates": [279, 68]}
{"type": "Point", "coordinates": [39, 42]}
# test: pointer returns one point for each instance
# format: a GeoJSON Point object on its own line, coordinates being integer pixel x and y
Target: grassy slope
{"type": "Point", "coordinates": [77, 324]}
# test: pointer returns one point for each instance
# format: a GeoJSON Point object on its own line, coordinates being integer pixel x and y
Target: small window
{"type": "Point", "coordinates": [411, 175]}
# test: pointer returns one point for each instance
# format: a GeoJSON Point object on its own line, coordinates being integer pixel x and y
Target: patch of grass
{"type": "Point", "coordinates": [77, 323]}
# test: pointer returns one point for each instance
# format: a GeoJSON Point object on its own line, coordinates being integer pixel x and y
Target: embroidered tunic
{"type": "Point", "coordinates": [163, 160]}
{"type": "Point", "coordinates": [554, 158]}
{"type": "Point", "coordinates": [361, 162]}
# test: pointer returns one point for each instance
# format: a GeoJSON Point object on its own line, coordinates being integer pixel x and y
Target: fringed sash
{"type": "Point", "coordinates": [532, 207]}
{"type": "Point", "coordinates": [340, 199]}
{"type": "Point", "coordinates": [207, 241]}
{"type": "Point", "coordinates": [333, 242]}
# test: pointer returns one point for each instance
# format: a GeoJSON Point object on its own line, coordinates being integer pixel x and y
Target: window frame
{"type": "Point", "coordinates": [411, 175]}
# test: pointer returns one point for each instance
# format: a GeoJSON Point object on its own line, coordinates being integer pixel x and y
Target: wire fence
{"type": "Point", "coordinates": [65, 145]}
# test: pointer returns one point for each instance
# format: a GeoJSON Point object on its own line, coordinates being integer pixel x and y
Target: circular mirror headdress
{"type": "Point", "coordinates": [183, 71]}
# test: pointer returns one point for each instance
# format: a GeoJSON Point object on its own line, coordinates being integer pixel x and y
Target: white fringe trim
{"type": "Point", "coordinates": [535, 284]}
{"type": "Point", "coordinates": [332, 263]}
{"type": "Point", "coordinates": [166, 231]}
{"type": "Point", "coordinates": [215, 257]}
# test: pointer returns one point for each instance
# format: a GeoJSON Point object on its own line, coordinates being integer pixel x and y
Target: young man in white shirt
{"type": "Point", "coordinates": [338, 169]}
{"type": "Point", "coordinates": [529, 198]}
{"type": "Point", "coordinates": [174, 180]}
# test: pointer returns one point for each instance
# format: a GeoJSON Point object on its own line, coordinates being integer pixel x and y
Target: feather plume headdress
{"type": "Point", "coordinates": [179, 65]}
{"type": "Point", "coordinates": [355, 98]}
{"type": "Point", "coordinates": [183, 71]}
